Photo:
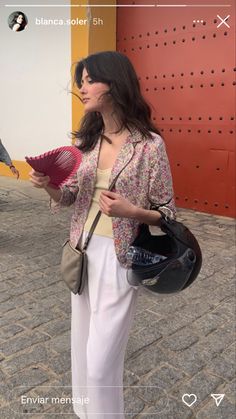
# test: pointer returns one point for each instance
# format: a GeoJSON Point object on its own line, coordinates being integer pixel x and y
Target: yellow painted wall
{"type": "Point", "coordinates": [22, 166]}
{"type": "Point", "coordinates": [89, 39]}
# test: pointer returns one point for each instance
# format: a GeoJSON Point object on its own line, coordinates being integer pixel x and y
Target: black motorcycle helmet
{"type": "Point", "coordinates": [183, 258]}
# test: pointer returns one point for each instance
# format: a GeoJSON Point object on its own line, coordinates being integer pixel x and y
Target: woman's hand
{"type": "Point", "coordinates": [38, 179]}
{"type": "Point", "coordinates": [114, 205]}
{"type": "Point", "coordinates": [14, 171]}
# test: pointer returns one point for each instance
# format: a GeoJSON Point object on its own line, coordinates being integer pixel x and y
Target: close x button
{"type": "Point", "coordinates": [223, 21]}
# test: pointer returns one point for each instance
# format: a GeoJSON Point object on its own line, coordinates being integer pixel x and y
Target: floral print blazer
{"type": "Point", "coordinates": [145, 178]}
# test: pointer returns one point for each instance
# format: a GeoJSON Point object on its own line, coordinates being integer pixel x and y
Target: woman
{"type": "Point", "coordinates": [116, 136]}
{"type": "Point", "coordinates": [18, 21]}
{"type": "Point", "coordinates": [5, 158]}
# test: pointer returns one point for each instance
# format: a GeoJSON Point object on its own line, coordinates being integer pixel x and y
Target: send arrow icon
{"type": "Point", "coordinates": [218, 398]}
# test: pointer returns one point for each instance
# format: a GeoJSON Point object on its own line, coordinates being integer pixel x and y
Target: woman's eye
{"type": "Point", "coordinates": [89, 81]}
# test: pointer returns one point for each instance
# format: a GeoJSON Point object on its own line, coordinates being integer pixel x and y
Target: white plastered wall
{"type": "Point", "coordinates": [35, 106]}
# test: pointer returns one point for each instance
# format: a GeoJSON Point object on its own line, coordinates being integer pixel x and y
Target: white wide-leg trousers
{"type": "Point", "coordinates": [100, 325]}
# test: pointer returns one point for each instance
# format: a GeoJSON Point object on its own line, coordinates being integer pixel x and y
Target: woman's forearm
{"type": "Point", "coordinates": [145, 216]}
{"type": "Point", "coordinates": [55, 194]}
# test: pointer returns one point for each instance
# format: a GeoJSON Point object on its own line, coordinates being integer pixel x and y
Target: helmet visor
{"type": "Point", "coordinates": [165, 277]}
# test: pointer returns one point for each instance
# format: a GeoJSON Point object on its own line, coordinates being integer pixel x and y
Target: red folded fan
{"type": "Point", "coordinates": [58, 164]}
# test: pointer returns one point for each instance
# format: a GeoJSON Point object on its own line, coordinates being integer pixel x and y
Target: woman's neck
{"type": "Point", "coordinates": [113, 132]}
{"type": "Point", "coordinates": [112, 124]}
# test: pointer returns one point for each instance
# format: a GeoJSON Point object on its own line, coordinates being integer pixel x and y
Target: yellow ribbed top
{"type": "Point", "coordinates": [104, 225]}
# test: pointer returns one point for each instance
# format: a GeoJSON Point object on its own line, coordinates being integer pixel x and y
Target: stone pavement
{"type": "Point", "coordinates": [179, 344]}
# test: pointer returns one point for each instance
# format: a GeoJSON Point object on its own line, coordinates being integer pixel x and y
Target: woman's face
{"type": "Point", "coordinates": [91, 93]}
{"type": "Point", "coordinates": [20, 19]}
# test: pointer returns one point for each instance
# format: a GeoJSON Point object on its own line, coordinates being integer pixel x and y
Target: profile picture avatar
{"type": "Point", "coordinates": [17, 21]}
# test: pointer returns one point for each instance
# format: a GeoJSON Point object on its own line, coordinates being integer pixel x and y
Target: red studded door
{"type": "Point", "coordinates": [185, 60]}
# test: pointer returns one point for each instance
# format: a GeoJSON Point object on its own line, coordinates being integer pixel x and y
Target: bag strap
{"type": "Point", "coordinates": [156, 207]}
{"type": "Point", "coordinates": [93, 226]}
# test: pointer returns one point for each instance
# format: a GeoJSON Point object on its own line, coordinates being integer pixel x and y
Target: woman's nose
{"type": "Point", "coordinates": [83, 89]}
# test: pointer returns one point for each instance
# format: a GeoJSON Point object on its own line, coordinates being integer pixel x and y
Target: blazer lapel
{"type": "Point", "coordinates": [89, 163]}
{"type": "Point", "coordinates": [126, 153]}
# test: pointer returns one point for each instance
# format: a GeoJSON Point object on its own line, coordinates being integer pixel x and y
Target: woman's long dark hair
{"type": "Point", "coordinates": [12, 20]}
{"type": "Point", "coordinates": [114, 69]}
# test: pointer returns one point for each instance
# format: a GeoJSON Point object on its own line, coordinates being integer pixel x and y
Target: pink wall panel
{"type": "Point", "coordinates": [187, 73]}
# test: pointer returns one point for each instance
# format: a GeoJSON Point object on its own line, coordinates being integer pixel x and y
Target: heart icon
{"type": "Point", "coordinates": [189, 399]}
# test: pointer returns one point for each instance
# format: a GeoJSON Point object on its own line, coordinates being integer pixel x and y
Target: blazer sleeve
{"type": "Point", "coordinates": [69, 194]}
{"type": "Point", "coordinates": [160, 181]}
{"type": "Point", "coordinates": [4, 156]}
